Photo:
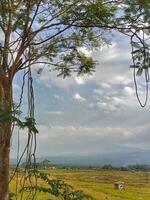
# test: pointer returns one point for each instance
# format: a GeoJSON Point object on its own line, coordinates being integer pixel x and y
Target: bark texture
{"type": "Point", "coordinates": [5, 135]}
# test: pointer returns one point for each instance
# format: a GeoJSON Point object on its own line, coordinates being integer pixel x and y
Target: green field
{"type": "Point", "coordinates": [100, 183]}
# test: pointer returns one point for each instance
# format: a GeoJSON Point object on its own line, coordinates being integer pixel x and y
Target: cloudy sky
{"type": "Point", "coordinates": [88, 115]}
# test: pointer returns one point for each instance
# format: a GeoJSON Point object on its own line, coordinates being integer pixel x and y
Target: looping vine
{"type": "Point", "coordinates": [141, 62]}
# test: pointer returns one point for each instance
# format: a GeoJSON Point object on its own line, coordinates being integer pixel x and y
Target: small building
{"type": "Point", "coordinates": [119, 185]}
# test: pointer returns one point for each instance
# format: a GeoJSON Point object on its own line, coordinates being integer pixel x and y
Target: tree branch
{"type": "Point", "coordinates": [7, 38]}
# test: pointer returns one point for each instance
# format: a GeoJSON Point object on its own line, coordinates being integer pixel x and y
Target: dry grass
{"type": "Point", "coordinates": [100, 184]}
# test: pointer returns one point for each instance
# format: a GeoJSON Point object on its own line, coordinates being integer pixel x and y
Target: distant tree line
{"type": "Point", "coordinates": [43, 164]}
{"type": "Point", "coordinates": [136, 167]}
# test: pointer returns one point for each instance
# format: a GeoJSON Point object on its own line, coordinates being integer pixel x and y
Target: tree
{"type": "Point", "coordinates": [51, 32]}
{"type": "Point", "coordinates": [108, 167]}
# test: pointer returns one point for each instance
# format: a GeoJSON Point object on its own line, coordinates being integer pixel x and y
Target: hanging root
{"type": "Point", "coordinates": [27, 176]}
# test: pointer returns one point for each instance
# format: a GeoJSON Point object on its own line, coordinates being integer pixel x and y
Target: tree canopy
{"type": "Point", "coordinates": [52, 32]}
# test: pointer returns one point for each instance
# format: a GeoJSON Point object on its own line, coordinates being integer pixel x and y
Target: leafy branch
{"type": "Point", "coordinates": [28, 122]}
{"type": "Point", "coordinates": [58, 188]}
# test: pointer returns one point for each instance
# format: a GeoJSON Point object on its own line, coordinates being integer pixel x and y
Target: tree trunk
{"type": "Point", "coordinates": [5, 135]}
{"type": "Point", "coordinates": [4, 172]}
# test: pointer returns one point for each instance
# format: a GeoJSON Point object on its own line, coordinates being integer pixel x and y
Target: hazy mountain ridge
{"type": "Point", "coordinates": [115, 159]}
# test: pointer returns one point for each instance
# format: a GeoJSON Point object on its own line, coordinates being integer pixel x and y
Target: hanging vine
{"type": "Point", "coordinates": [141, 62]}
{"type": "Point", "coordinates": [28, 175]}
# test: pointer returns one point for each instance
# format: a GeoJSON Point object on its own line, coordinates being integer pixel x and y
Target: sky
{"type": "Point", "coordinates": [90, 114]}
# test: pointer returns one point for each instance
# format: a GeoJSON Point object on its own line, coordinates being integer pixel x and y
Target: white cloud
{"type": "Point", "coordinates": [77, 131]}
{"type": "Point", "coordinates": [128, 91]}
{"type": "Point", "coordinates": [106, 106]}
{"type": "Point", "coordinates": [98, 91]}
{"type": "Point", "coordinates": [79, 98]}
{"type": "Point", "coordinates": [57, 140]}
{"type": "Point", "coordinates": [106, 136]}
{"type": "Point", "coordinates": [105, 85]}
{"type": "Point", "coordinates": [111, 51]}
{"type": "Point", "coordinates": [79, 80]}
{"type": "Point", "coordinates": [113, 103]}
{"type": "Point", "coordinates": [112, 91]}
{"type": "Point", "coordinates": [116, 101]}
{"type": "Point", "coordinates": [85, 51]}
{"type": "Point", "coordinates": [50, 78]}
{"type": "Point", "coordinates": [54, 112]}
{"type": "Point", "coordinates": [122, 80]}
{"type": "Point", "coordinates": [107, 71]}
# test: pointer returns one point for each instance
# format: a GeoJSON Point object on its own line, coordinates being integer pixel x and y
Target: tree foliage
{"type": "Point", "coordinates": [52, 32]}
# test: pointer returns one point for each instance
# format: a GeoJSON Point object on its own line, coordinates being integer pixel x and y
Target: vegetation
{"type": "Point", "coordinates": [59, 189]}
{"type": "Point", "coordinates": [51, 33]}
{"type": "Point", "coordinates": [136, 167]}
{"type": "Point", "coordinates": [43, 164]}
{"type": "Point", "coordinates": [48, 164]}
{"type": "Point", "coordinates": [97, 183]}
{"type": "Point", "coordinates": [139, 167]}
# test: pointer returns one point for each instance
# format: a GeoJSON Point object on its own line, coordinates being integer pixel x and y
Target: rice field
{"type": "Point", "coordinates": [100, 183]}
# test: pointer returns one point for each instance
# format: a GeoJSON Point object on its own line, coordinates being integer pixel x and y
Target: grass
{"type": "Point", "coordinates": [100, 183]}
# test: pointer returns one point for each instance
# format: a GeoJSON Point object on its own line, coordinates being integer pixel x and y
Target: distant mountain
{"type": "Point", "coordinates": [115, 159]}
